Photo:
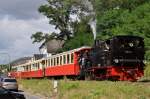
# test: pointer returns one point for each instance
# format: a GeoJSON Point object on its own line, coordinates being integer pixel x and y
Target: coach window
{"type": "Point", "coordinates": [49, 62]}
{"type": "Point", "coordinates": [64, 59]}
{"type": "Point", "coordinates": [37, 65]}
{"type": "Point", "coordinates": [29, 67]}
{"type": "Point", "coordinates": [57, 59]}
{"type": "Point", "coordinates": [40, 65]}
{"type": "Point", "coordinates": [26, 68]}
{"type": "Point", "coordinates": [71, 57]}
{"type": "Point", "coordinates": [54, 61]}
{"type": "Point", "coordinates": [60, 60]}
{"type": "Point", "coordinates": [34, 66]}
{"type": "Point", "coordinates": [68, 58]}
{"type": "Point", "coordinates": [46, 63]}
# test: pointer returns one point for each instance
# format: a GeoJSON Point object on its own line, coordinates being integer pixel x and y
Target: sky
{"type": "Point", "coordinates": [19, 19]}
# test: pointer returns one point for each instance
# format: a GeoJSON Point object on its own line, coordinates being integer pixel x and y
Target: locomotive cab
{"type": "Point", "coordinates": [101, 53]}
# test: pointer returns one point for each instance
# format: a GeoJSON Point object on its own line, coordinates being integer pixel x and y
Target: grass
{"type": "Point", "coordinates": [90, 89]}
{"type": "Point", "coordinates": [147, 70]}
{"type": "Point", "coordinates": [103, 90]}
{"type": "Point", "coordinates": [37, 86]}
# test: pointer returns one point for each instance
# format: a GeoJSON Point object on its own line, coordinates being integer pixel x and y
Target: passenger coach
{"type": "Point", "coordinates": [62, 64]}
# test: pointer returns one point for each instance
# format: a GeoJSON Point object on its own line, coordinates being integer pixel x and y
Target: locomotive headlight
{"type": "Point", "coordinates": [131, 44]}
{"type": "Point", "coordinates": [116, 60]}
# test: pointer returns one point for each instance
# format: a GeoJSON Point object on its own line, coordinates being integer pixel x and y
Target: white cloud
{"type": "Point", "coordinates": [21, 9]}
{"type": "Point", "coordinates": [15, 35]}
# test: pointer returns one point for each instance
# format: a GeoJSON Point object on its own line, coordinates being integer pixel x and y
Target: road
{"type": "Point", "coordinates": [30, 96]}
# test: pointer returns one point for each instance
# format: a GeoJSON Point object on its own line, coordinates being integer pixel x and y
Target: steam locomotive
{"type": "Point", "coordinates": [118, 58]}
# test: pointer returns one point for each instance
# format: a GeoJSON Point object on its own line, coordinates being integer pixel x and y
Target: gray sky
{"type": "Point", "coordinates": [18, 20]}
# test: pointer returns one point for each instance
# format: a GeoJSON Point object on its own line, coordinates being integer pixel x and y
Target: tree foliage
{"type": "Point", "coordinates": [82, 37]}
{"type": "Point", "coordinates": [61, 14]}
{"type": "Point", "coordinates": [124, 21]}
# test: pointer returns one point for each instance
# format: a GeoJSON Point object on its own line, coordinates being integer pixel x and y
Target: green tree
{"type": "Point", "coordinates": [123, 21]}
{"type": "Point", "coordinates": [82, 36]}
{"type": "Point", "coordinates": [60, 13]}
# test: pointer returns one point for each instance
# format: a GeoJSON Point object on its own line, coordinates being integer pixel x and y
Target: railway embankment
{"type": "Point", "coordinates": [90, 89]}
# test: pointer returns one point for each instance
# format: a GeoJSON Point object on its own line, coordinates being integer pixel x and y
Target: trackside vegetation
{"type": "Point", "coordinates": [68, 89]}
{"type": "Point", "coordinates": [89, 89]}
{"type": "Point", "coordinates": [147, 70]}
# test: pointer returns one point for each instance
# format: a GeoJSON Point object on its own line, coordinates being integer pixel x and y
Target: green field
{"type": "Point", "coordinates": [90, 89]}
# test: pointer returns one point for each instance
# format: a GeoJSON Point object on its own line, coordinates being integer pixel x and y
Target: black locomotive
{"type": "Point", "coordinates": [118, 58]}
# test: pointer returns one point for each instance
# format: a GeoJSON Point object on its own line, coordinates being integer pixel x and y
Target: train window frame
{"type": "Point", "coordinates": [38, 66]}
{"type": "Point", "coordinates": [64, 59]}
{"type": "Point", "coordinates": [61, 60]}
{"type": "Point", "coordinates": [54, 61]}
{"type": "Point", "coordinates": [51, 61]}
{"type": "Point", "coordinates": [68, 58]}
{"type": "Point", "coordinates": [57, 60]}
{"type": "Point", "coordinates": [72, 57]}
